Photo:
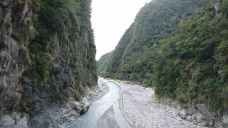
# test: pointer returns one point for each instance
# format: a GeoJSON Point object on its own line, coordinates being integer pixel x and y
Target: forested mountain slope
{"type": "Point", "coordinates": [155, 19]}
{"type": "Point", "coordinates": [103, 62]}
{"type": "Point", "coordinates": [191, 64]}
{"type": "Point", "coordinates": [47, 53]}
{"type": "Point", "coordinates": [183, 56]}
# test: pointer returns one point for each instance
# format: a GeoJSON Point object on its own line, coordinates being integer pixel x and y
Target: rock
{"type": "Point", "coordinates": [198, 117]}
{"type": "Point", "coordinates": [202, 108]}
{"type": "Point", "coordinates": [216, 4]}
{"type": "Point", "coordinates": [7, 122]}
{"type": "Point", "coordinates": [178, 107]}
{"type": "Point", "coordinates": [84, 110]}
{"type": "Point", "coordinates": [31, 91]}
{"type": "Point", "coordinates": [84, 101]}
{"type": "Point", "coordinates": [218, 124]}
{"type": "Point", "coordinates": [39, 122]}
{"type": "Point", "coordinates": [183, 113]}
{"type": "Point", "coordinates": [189, 118]}
{"type": "Point", "coordinates": [211, 123]}
{"type": "Point", "coordinates": [15, 120]}
{"type": "Point", "coordinates": [78, 107]}
{"type": "Point", "coordinates": [22, 123]}
{"type": "Point", "coordinates": [5, 3]}
{"type": "Point", "coordinates": [85, 106]}
{"type": "Point", "coordinates": [191, 111]}
{"type": "Point", "coordinates": [203, 123]}
{"type": "Point", "coordinates": [225, 119]}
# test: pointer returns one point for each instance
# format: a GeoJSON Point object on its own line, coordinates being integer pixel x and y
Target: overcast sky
{"type": "Point", "coordinates": [110, 19]}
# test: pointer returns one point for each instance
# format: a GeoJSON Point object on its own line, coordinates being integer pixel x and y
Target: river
{"type": "Point", "coordinates": [98, 108]}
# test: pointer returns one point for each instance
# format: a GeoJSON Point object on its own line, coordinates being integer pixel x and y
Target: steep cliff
{"type": "Point", "coordinates": [46, 53]}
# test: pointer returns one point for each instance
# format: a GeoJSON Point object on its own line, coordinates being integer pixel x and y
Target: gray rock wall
{"type": "Point", "coordinates": [45, 57]}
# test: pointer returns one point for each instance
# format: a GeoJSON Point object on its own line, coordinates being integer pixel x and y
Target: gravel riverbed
{"type": "Point", "coordinates": [142, 110]}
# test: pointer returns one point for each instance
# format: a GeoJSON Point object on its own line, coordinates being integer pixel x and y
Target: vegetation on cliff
{"type": "Point", "coordinates": [103, 63]}
{"type": "Point", "coordinates": [47, 52]}
{"type": "Point", "coordinates": [191, 64]}
{"type": "Point", "coordinates": [155, 20]}
{"type": "Point", "coordinates": [183, 56]}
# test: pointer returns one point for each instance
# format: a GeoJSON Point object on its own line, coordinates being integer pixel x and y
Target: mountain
{"type": "Point", "coordinates": [155, 20]}
{"type": "Point", "coordinates": [190, 65]}
{"type": "Point", "coordinates": [103, 62]}
{"type": "Point", "coordinates": [47, 53]}
{"type": "Point", "coordinates": [179, 47]}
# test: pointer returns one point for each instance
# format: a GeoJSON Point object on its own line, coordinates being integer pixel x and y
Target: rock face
{"type": "Point", "coordinates": [215, 4]}
{"type": "Point", "coordinates": [225, 119]}
{"type": "Point", "coordinates": [47, 53]}
{"type": "Point", "coordinates": [15, 120]}
{"type": "Point", "coordinates": [183, 113]}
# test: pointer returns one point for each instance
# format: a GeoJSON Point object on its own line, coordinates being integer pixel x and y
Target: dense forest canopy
{"type": "Point", "coordinates": [155, 20]}
{"type": "Point", "coordinates": [180, 48]}
{"type": "Point", "coordinates": [191, 63]}
{"type": "Point", "coordinates": [103, 63]}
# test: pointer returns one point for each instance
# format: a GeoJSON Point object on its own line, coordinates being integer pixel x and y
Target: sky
{"type": "Point", "coordinates": [110, 19]}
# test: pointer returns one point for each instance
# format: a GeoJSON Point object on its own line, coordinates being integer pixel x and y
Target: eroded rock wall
{"type": "Point", "coordinates": [46, 53]}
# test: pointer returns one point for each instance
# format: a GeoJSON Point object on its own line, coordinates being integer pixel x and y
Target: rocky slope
{"type": "Point", "coordinates": [46, 54]}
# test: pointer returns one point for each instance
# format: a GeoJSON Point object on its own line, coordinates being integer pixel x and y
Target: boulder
{"type": "Point", "coordinates": [84, 110]}
{"type": "Point", "coordinates": [191, 111]}
{"type": "Point", "coordinates": [211, 123]}
{"type": "Point", "coordinates": [198, 117]}
{"type": "Point", "coordinates": [189, 118]}
{"type": "Point", "coordinates": [85, 106]}
{"type": "Point", "coordinates": [202, 108]}
{"type": "Point", "coordinates": [183, 113]}
{"type": "Point", "coordinates": [78, 107]}
{"type": "Point", "coordinates": [203, 123]}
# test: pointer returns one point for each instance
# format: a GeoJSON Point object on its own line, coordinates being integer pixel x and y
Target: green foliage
{"type": "Point", "coordinates": [57, 48]}
{"type": "Point", "coordinates": [202, 60]}
{"type": "Point", "coordinates": [184, 57]}
{"type": "Point", "coordinates": [224, 7]}
{"type": "Point", "coordinates": [132, 57]}
{"type": "Point", "coordinates": [43, 63]}
{"type": "Point", "coordinates": [24, 57]}
{"type": "Point", "coordinates": [103, 62]}
{"type": "Point", "coordinates": [119, 51]}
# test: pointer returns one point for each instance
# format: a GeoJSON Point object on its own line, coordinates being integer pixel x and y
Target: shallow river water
{"type": "Point", "coordinates": [98, 108]}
